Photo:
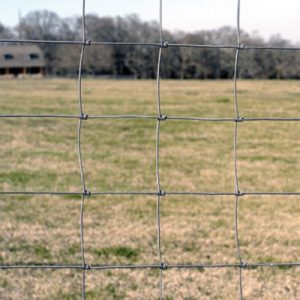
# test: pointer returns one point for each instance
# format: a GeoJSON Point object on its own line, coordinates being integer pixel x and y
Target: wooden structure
{"type": "Point", "coordinates": [21, 60]}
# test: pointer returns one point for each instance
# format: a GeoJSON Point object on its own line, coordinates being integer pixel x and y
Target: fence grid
{"type": "Point", "coordinates": [85, 193]}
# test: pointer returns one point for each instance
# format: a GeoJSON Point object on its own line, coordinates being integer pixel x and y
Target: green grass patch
{"type": "Point", "coordinates": [42, 252]}
{"type": "Point", "coordinates": [23, 178]}
{"type": "Point", "coordinates": [118, 251]}
{"type": "Point", "coordinates": [223, 100]}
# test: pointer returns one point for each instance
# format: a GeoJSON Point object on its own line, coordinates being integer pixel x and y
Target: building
{"type": "Point", "coordinates": [21, 60]}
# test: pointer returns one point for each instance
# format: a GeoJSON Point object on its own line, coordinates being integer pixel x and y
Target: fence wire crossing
{"type": "Point", "coordinates": [159, 193]}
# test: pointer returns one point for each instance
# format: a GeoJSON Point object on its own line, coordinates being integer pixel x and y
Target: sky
{"type": "Point", "coordinates": [267, 17]}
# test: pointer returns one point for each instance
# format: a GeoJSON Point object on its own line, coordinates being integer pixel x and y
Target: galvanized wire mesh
{"type": "Point", "coordinates": [158, 193]}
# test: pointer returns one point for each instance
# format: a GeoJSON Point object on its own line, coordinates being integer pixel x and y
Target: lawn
{"type": "Point", "coordinates": [119, 155]}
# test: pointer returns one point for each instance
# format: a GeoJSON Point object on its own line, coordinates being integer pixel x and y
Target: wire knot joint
{"type": "Point", "coordinates": [239, 194]}
{"type": "Point", "coordinates": [161, 193]}
{"type": "Point", "coordinates": [243, 265]}
{"type": "Point", "coordinates": [87, 43]}
{"type": "Point", "coordinates": [162, 118]}
{"type": "Point", "coordinates": [164, 44]}
{"type": "Point", "coordinates": [86, 267]}
{"type": "Point", "coordinates": [83, 117]}
{"type": "Point", "coordinates": [239, 119]}
{"type": "Point", "coordinates": [86, 193]}
{"type": "Point", "coordinates": [163, 266]}
{"type": "Point", "coordinates": [242, 47]}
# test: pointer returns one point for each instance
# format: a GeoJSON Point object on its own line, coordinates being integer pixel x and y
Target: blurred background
{"type": "Point", "coordinates": [193, 22]}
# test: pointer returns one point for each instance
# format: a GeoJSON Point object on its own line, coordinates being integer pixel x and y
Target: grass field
{"type": "Point", "coordinates": [119, 155]}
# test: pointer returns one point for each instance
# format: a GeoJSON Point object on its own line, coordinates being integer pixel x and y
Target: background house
{"type": "Point", "coordinates": [21, 60]}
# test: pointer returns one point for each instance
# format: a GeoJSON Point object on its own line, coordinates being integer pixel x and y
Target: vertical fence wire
{"type": "Point", "coordinates": [157, 154]}
{"type": "Point", "coordinates": [82, 117]}
{"type": "Point", "coordinates": [235, 141]}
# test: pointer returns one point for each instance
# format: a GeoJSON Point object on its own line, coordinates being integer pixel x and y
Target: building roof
{"type": "Point", "coordinates": [21, 57]}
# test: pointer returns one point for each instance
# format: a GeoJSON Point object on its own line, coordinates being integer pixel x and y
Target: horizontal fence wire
{"type": "Point", "coordinates": [84, 193]}
{"type": "Point", "coordinates": [166, 193]}
{"type": "Point", "coordinates": [158, 45]}
{"type": "Point", "coordinates": [149, 117]}
{"type": "Point", "coordinates": [153, 266]}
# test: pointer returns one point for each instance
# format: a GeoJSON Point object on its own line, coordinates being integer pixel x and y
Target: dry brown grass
{"type": "Point", "coordinates": [119, 155]}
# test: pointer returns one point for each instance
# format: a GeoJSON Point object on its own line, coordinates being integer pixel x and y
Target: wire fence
{"type": "Point", "coordinates": [159, 192]}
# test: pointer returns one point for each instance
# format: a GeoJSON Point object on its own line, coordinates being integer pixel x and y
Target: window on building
{"type": "Point", "coordinates": [8, 56]}
{"type": "Point", "coordinates": [33, 56]}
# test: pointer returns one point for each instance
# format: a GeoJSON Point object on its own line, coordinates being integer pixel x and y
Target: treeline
{"type": "Point", "coordinates": [141, 61]}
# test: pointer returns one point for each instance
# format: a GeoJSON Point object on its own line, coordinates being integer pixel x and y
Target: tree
{"type": "Point", "coordinates": [47, 25]}
{"type": "Point", "coordinates": [5, 32]}
{"type": "Point", "coordinates": [141, 61]}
